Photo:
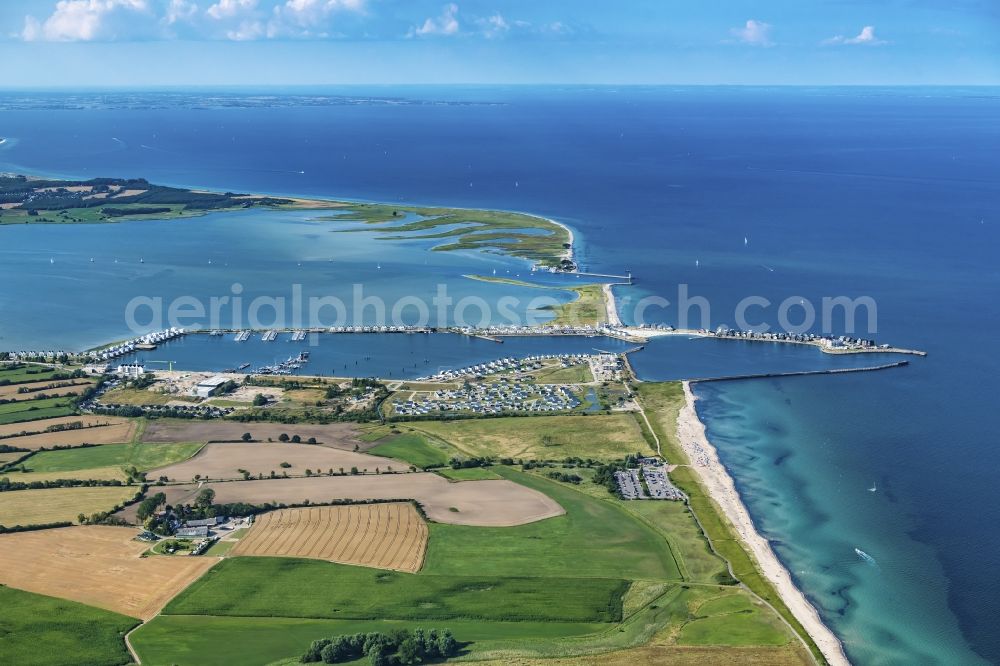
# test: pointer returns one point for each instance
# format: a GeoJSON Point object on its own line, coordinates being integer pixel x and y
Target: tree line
{"type": "Point", "coordinates": [385, 649]}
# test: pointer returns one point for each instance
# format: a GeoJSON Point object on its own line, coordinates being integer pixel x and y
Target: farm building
{"type": "Point", "coordinates": [192, 532]}
{"type": "Point", "coordinates": [204, 522]}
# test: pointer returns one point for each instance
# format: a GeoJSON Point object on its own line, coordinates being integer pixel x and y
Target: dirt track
{"type": "Point", "coordinates": [384, 536]}
{"type": "Point", "coordinates": [96, 565]}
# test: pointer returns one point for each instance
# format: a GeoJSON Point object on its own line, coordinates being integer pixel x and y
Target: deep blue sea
{"type": "Point", "coordinates": [786, 194]}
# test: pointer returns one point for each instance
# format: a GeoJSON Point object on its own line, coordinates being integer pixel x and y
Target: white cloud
{"type": "Point", "coordinates": [495, 26]}
{"type": "Point", "coordinates": [180, 10]}
{"type": "Point", "coordinates": [446, 24]}
{"type": "Point", "coordinates": [246, 31]}
{"type": "Point", "coordinates": [754, 33]}
{"type": "Point", "coordinates": [227, 9]}
{"type": "Point", "coordinates": [83, 20]}
{"type": "Point", "coordinates": [865, 37]}
{"type": "Point", "coordinates": [308, 18]}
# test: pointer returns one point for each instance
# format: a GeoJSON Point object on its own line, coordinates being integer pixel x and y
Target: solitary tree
{"type": "Point", "coordinates": [246, 437]}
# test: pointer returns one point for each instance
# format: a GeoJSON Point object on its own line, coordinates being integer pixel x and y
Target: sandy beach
{"type": "Point", "coordinates": [611, 306]}
{"type": "Point", "coordinates": [705, 462]}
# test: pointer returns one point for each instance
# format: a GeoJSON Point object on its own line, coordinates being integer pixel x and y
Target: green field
{"type": "Point", "coordinates": [469, 474]}
{"type": "Point", "coordinates": [36, 629]}
{"type": "Point", "coordinates": [289, 587]}
{"type": "Point", "coordinates": [599, 436]}
{"type": "Point", "coordinates": [141, 456]}
{"type": "Point", "coordinates": [574, 374]}
{"type": "Point", "coordinates": [29, 373]}
{"type": "Point", "coordinates": [477, 580]}
{"type": "Point", "coordinates": [413, 448]}
{"type": "Point", "coordinates": [224, 641]}
{"type": "Point", "coordinates": [595, 538]}
{"type": "Point", "coordinates": [32, 410]}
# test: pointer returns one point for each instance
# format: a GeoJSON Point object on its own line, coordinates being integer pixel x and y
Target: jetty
{"type": "Point", "coordinates": [802, 373]}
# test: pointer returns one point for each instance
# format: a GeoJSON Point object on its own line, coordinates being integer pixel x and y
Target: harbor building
{"type": "Point", "coordinates": [209, 387]}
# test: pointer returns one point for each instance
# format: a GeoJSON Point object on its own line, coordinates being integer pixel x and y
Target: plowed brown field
{"type": "Point", "coordinates": [384, 536]}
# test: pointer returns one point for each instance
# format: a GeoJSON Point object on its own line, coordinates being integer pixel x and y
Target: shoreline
{"type": "Point", "coordinates": [721, 488]}
{"type": "Point", "coordinates": [610, 305]}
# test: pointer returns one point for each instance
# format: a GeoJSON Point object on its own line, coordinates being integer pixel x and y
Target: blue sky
{"type": "Point", "coordinates": [67, 43]}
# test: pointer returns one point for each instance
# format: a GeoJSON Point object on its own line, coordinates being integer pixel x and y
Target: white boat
{"type": "Point", "coordinates": [873, 489]}
{"type": "Point", "coordinates": [865, 556]}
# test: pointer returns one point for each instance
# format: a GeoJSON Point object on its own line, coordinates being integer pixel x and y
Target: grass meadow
{"type": "Point", "coordinates": [45, 631]}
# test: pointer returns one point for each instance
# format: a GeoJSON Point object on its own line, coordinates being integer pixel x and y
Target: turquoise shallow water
{"type": "Point", "coordinates": [781, 193]}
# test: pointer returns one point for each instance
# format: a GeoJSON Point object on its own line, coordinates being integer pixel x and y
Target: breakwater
{"type": "Point", "coordinates": [803, 373]}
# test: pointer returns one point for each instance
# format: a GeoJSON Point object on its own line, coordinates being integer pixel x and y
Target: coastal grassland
{"type": "Point", "coordinates": [290, 587]}
{"type": "Point", "coordinates": [664, 615]}
{"type": "Point", "coordinates": [53, 505]}
{"type": "Point", "coordinates": [588, 307]}
{"type": "Point", "coordinates": [413, 448]}
{"type": "Point", "coordinates": [667, 655]}
{"type": "Point", "coordinates": [662, 402]}
{"type": "Point", "coordinates": [33, 410]}
{"type": "Point", "coordinates": [594, 538]}
{"type": "Point", "coordinates": [77, 463]}
{"type": "Point", "coordinates": [578, 373]}
{"type": "Point", "coordinates": [598, 436]}
{"type": "Point", "coordinates": [181, 640]}
{"type": "Point", "coordinates": [46, 631]}
{"type": "Point", "coordinates": [515, 234]}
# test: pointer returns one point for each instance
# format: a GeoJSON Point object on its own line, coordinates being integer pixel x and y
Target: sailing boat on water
{"type": "Point", "coordinates": [874, 488]}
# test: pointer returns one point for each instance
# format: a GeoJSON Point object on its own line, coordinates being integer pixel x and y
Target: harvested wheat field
{"type": "Point", "coordinates": [50, 388]}
{"type": "Point", "coordinates": [104, 431]}
{"type": "Point", "coordinates": [92, 474]}
{"type": "Point", "coordinates": [55, 505]}
{"type": "Point", "coordinates": [12, 429]}
{"type": "Point", "coordinates": [96, 565]}
{"type": "Point", "coordinates": [482, 503]}
{"type": "Point", "coordinates": [224, 461]}
{"type": "Point", "coordinates": [384, 536]}
{"type": "Point", "coordinates": [338, 435]}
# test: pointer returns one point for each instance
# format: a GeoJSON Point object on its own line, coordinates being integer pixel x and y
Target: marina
{"type": "Point", "coordinates": [443, 354]}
